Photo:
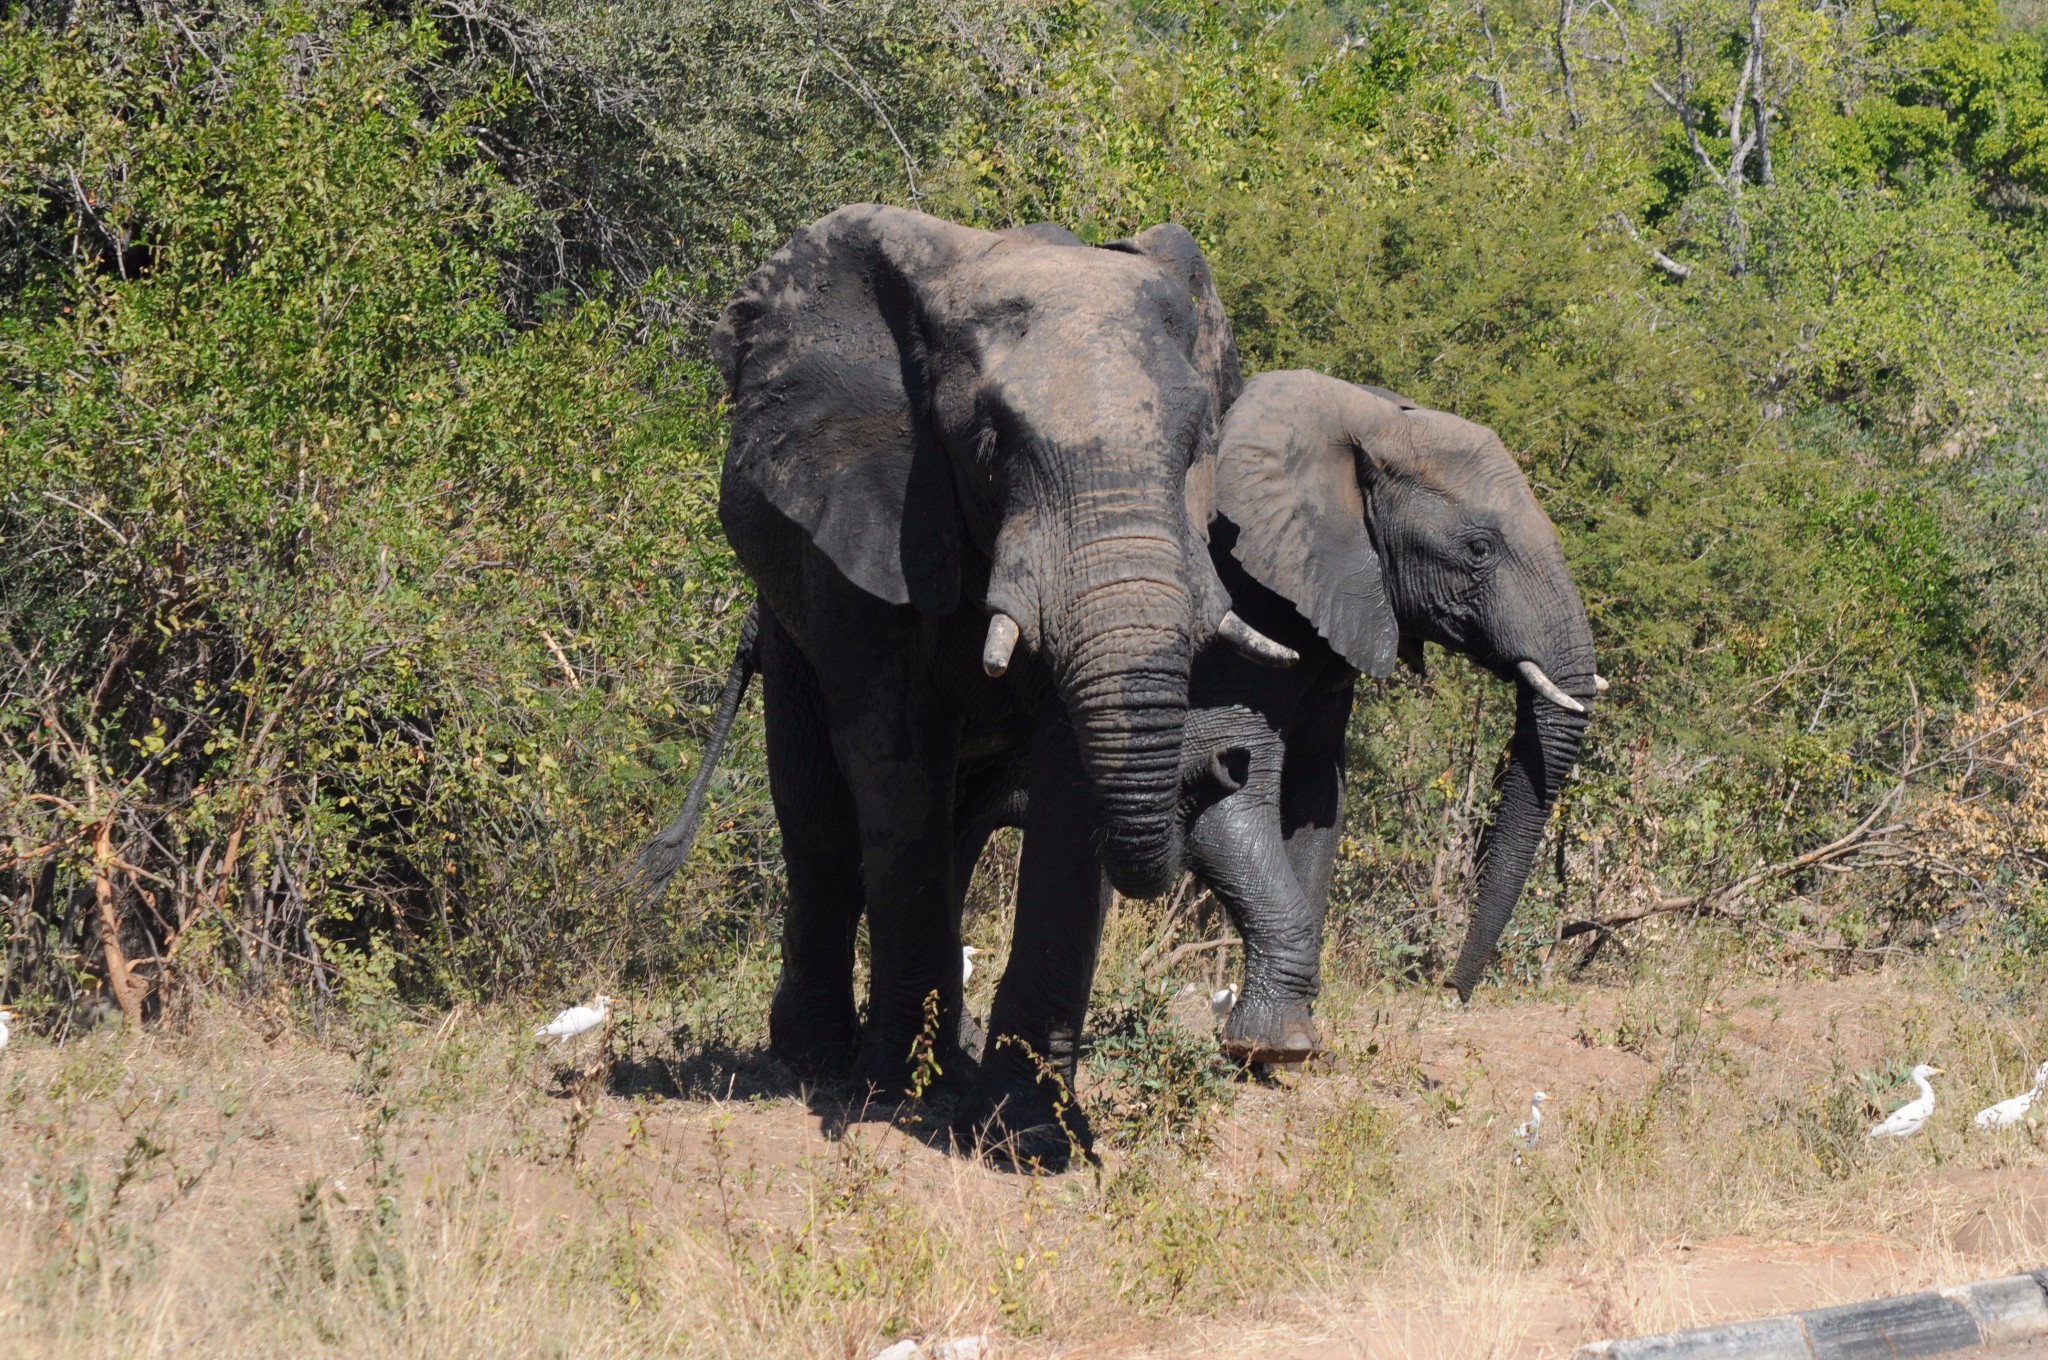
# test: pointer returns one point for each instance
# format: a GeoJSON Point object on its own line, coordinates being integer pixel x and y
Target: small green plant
{"type": "Point", "coordinates": [925, 1070]}
{"type": "Point", "coordinates": [1158, 1081]}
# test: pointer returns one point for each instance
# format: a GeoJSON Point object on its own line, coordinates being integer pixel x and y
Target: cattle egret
{"type": "Point", "coordinates": [1530, 1129]}
{"type": "Point", "coordinates": [1223, 1002]}
{"type": "Point", "coordinates": [1905, 1121]}
{"type": "Point", "coordinates": [576, 1020]}
{"type": "Point", "coordinates": [967, 953]}
{"type": "Point", "coordinates": [6, 1019]}
{"type": "Point", "coordinates": [2006, 1113]}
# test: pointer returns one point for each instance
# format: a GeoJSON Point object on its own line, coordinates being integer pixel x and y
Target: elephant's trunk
{"type": "Point", "coordinates": [1553, 665]}
{"type": "Point", "coordinates": [1122, 642]}
{"type": "Point", "coordinates": [1543, 750]}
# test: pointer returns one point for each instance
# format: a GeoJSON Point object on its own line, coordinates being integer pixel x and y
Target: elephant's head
{"type": "Point", "coordinates": [1387, 526]}
{"type": "Point", "coordinates": [1012, 422]}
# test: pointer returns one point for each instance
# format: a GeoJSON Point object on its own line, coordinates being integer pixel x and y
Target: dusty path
{"type": "Point", "coordinates": [1703, 1160]}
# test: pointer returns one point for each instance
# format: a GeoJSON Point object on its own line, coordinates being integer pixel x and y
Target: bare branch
{"type": "Point", "coordinates": [1675, 268]}
{"type": "Point", "coordinates": [1489, 76]}
{"type": "Point", "coordinates": [1565, 17]}
{"type": "Point", "coordinates": [1688, 118]}
{"type": "Point", "coordinates": [858, 87]}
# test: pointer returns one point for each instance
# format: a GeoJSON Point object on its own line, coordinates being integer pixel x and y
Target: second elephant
{"type": "Point", "coordinates": [1352, 526]}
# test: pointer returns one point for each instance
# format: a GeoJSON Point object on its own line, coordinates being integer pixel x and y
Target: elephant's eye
{"type": "Point", "coordinates": [1479, 550]}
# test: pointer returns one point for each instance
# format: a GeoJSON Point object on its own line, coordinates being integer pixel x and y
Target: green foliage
{"type": "Point", "coordinates": [675, 143]}
{"type": "Point", "coordinates": [363, 582]}
{"type": "Point", "coordinates": [353, 610]}
{"type": "Point", "coordinates": [1156, 1082]}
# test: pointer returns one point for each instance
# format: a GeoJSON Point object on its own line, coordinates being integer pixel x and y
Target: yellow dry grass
{"type": "Point", "coordinates": [411, 1189]}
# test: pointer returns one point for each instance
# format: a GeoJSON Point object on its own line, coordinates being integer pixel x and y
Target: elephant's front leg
{"type": "Point", "coordinates": [1023, 1109]}
{"type": "Point", "coordinates": [898, 755]}
{"type": "Point", "coordinates": [813, 1026]}
{"type": "Point", "coordinates": [1312, 804]}
{"type": "Point", "coordinates": [1235, 845]}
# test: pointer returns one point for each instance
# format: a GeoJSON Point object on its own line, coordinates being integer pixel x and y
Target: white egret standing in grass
{"type": "Point", "coordinates": [967, 953]}
{"type": "Point", "coordinates": [1223, 1002]}
{"type": "Point", "coordinates": [576, 1020]}
{"type": "Point", "coordinates": [1530, 1129]}
{"type": "Point", "coordinates": [6, 1019]}
{"type": "Point", "coordinates": [2006, 1113]}
{"type": "Point", "coordinates": [1905, 1121]}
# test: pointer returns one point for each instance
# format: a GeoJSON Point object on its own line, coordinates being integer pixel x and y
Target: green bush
{"type": "Point", "coordinates": [363, 591]}
{"type": "Point", "coordinates": [1153, 1080]}
{"type": "Point", "coordinates": [339, 609]}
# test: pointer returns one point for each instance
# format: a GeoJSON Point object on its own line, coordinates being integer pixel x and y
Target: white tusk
{"type": "Point", "coordinates": [1002, 640]}
{"type": "Point", "coordinates": [1599, 684]}
{"type": "Point", "coordinates": [1541, 683]}
{"type": "Point", "coordinates": [1252, 643]}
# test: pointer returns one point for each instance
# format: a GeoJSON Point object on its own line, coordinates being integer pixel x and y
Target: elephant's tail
{"type": "Point", "coordinates": [661, 857]}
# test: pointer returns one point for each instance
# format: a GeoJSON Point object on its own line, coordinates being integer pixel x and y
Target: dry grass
{"type": "Point", "coordinates": [428, 1188]}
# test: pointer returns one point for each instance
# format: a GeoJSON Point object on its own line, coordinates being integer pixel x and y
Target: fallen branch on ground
{"type": "Point", "coordinates": [1866, 841]}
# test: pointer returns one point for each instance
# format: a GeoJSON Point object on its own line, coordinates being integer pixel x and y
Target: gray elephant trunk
{"type": "Point", "coordinates": [1124, 678]}
{"type": "Point", "coordinates": [1541, 753]}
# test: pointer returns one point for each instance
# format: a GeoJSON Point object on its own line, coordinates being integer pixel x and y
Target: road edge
{"type": "Point", "coordinates": [1937, 1322]}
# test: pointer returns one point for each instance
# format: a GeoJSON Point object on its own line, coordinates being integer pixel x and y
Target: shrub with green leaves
{"type": "Point", "coordinates": [1152, 1079]}
{"type": "Point", "coordinates": [1774, 476]}
{"type": "Point", "coordinates": [338, 608]}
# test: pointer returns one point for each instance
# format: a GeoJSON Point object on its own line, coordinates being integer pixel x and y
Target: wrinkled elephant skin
{"type": "Point", "coordinates": [969, 474]}
{"type": "Point", "coordinates": [1353, 526]}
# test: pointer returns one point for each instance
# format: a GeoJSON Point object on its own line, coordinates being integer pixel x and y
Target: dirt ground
{"type": "Point", "coordinates": [220, 1185]}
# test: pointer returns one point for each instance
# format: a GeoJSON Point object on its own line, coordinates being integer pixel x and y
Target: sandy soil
{"type": "Point", "coordinates": [247, 1129]}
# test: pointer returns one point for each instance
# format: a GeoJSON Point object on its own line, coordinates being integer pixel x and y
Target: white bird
{"type": "Point", "coordinates": [1223, 1002]}
{"type": "Point", "coordinates": [1905, 1121]}
{"type": "Point", "coordinates": [2006, 1113]}
{"type": "Point", "coordinates": [6, 1019]}
{"type": "Point", "coordinates": [576, 1020]}
{"type": "Point", "coordinates": [967, 953]}
{"type": "Point", "coordinates": [1530, 1129]}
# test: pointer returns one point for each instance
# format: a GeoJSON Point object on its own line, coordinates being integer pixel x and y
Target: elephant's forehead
{"type": "Point", "coordinates": [1081, 292]}
{"type": "Point", "coordinates": [1118, 390]}
{"type": "Point", "coordinates": [1471, 470]}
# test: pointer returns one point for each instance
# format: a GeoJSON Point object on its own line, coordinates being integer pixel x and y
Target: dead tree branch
{"type": "Point", "coordinates": [1869, 840]}
{"type": "Point", "coordinates": [1565, 17]}
{"type": "Point", "coordinates": [1490, 76]}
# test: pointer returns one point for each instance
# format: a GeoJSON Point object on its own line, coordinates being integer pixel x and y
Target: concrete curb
{"type": "Point", "coordinates": [1993, 1312]}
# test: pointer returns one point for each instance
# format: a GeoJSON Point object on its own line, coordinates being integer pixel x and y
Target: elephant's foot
{"type": "Point", "coordinates": [1020, 1119]}
{"type": "Point", "coordinates": [891, 1066]}
{"type": "Point", "coordinates": [1271, 1031]}
{"type": "Point", "coordinates": [815, 1037]}
{"type": "Point", "coordinates": [973, 1035]}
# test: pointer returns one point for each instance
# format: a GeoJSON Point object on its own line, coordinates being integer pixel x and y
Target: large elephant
{"type": "Point", "coordinates": [970, 474]}
{"type": "Point", "coordinates": [1354, 526]}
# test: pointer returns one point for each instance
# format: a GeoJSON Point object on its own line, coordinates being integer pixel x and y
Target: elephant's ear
{"type": "Point", "coordinates": [1391, 395]}
{"type": "Point", "coordinates": [1211, 349]}
{"type": "Point", "coordinates": [1043, 234]}
{"type": "Point", "coordinates": [823, 349]}
{"type": "Point", "coordinates": [1287, 476]}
